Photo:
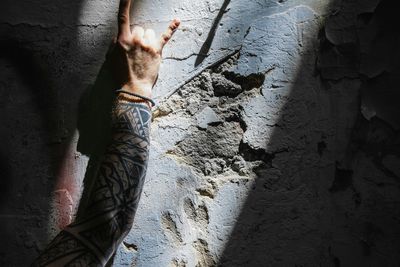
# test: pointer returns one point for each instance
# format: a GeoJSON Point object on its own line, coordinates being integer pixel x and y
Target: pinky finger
{"type": "Point", "coordinates": [166, 36]}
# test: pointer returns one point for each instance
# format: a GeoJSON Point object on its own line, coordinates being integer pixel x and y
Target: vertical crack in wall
{"type": "Point", "coordinates": [197, 214]}
{"type": "Point", "coordinates": [204, 257]}
{"type": "Point", "coordinates": [169, 225]}
{"type": "Point", "coordinates": [178, 263]}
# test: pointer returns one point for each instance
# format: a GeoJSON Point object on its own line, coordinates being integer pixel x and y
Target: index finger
{"type": "Point", "coordinates": [123, 18]}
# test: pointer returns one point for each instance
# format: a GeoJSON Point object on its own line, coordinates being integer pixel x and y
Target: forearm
{"type": "Point", "coordinates": [113, 200]}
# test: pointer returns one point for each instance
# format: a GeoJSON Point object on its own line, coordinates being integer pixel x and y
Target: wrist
{"type": "Point", "coordinates": [138, 88]}
{"type": "Point", "coordinates": [126, 98]}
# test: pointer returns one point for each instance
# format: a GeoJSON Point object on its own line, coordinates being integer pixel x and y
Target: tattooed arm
{"type": "Point", "coordinates": [93, 237]}
{"type": "Point", "coordinates": [96, 234]}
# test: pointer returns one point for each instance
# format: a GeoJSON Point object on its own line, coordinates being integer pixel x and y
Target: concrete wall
{"type": "Point", "coordinates": [275, 141]}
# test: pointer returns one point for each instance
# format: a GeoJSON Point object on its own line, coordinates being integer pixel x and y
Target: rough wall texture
{"type": "Point", "coordinates": [275, 142]}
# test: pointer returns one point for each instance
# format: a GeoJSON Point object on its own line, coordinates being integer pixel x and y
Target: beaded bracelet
{"type": "Point", "coordinates": [145, 98]}
{"type": "Point", "coordinates": [129, 99]}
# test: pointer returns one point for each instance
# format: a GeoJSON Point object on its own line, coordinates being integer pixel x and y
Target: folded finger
{"type": "Point", "coordinates": [138, 33]}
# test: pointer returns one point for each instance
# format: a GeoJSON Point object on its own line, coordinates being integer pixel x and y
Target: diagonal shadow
{"type": "Point", "coordinates": [292, 215]}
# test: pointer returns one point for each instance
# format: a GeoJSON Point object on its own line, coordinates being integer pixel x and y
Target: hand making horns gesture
{"type": "Point", "coordinates": [136, 54]}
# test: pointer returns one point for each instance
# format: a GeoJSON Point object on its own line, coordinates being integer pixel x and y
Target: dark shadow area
{"type": "Point", "coordinates": [38, 131]}
{"type": "Point", "coordinates": [94, 125]}
{"type": "Point", "coordinates": [301, 212]}
{"type": "Point", "coordinates": [32, 151]}
{"type": "Point", "coordinates": [31, 74]}
{"type": "Point", "coordinates": [36, 122]}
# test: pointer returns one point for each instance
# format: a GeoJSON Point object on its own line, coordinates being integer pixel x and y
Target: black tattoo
{"type": "Point", "coordinates": [94, 236]}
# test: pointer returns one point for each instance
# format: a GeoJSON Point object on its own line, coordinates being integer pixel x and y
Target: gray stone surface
{"type": "Point", "coordinates": [205, 117]}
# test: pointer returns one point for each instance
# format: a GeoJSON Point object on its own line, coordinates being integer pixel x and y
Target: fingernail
{"type": "Point", "coordinates": [177, 21]}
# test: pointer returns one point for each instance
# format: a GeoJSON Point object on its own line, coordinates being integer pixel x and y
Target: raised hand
{"type": "Point", "coordinates": [136, 54]}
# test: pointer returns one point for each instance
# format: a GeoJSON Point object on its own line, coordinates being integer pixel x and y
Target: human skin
{"type": "Point", "coordinates": [137, 53]}
{"type": "Point", "coordinates": [95, 235]}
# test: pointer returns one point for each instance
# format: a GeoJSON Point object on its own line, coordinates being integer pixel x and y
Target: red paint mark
{"type": "Point", "coordinates": [63, 203]}
{"type": "Point", "coordinates": [66, 191]}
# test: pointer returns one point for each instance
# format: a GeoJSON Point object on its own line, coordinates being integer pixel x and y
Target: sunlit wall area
{"type": "Point", "coordinates": [229, 137]}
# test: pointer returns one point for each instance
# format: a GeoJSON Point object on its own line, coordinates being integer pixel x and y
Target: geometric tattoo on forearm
{"type": "Point", "coordinates": [96, 234]}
